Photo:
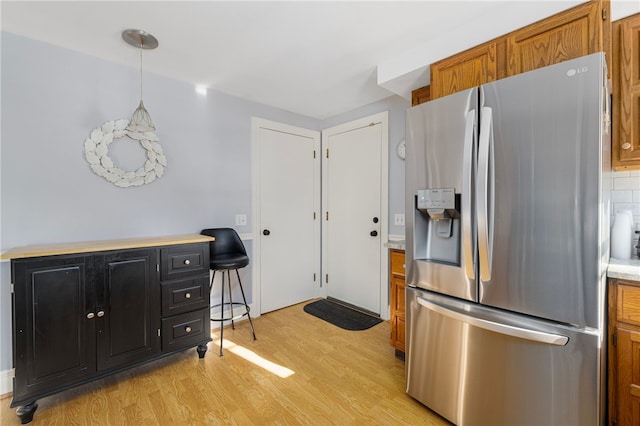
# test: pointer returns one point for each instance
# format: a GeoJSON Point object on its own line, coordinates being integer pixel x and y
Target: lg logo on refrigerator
{"type": "Point", "coordinates": [574, 71]}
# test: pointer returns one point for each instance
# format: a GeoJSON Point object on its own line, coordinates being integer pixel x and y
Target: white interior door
{"type": "Point", "coordinates": [287, 225]}
{"type": "Point", "coordinates": [355, 227]}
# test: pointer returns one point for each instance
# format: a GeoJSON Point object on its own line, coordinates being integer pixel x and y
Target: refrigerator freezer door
{"type": "Point", "coordinates": [441, 140]}
{"type": "Point", "coordinates": [479, 366]}
{"type": "Point", "coordinates": [543, 192]}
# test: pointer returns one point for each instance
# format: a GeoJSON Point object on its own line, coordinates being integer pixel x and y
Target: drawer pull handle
{"type": "Point", "coordinates": [91, 315]}
{"type": "Point", "coordinates": [187, 262]}
{"type": "Point", "coordinates": [187, 296]}
{"type": "Point", "coordinates": [187, 329]}
{"type": "Point", "coordinates": [100, 314]}
{"type": "Point", "coordinates": [626, 145]}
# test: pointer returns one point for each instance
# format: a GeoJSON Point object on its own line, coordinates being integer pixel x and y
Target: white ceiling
{"type": "Point", "coordinates": [318, 58]}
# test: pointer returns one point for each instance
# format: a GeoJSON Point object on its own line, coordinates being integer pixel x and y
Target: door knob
{"type": "Point", "coordinates": [266, 232]}
{"type": "Point", "coordinates": [375, 220]}
{"type": "Point", "coordinates": [374, 233]}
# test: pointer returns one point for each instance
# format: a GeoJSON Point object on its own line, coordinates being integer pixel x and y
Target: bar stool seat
{"type": "Point", "coordinates": [228, 253]}
{"type": "Point", "coordinates": [228, 261]}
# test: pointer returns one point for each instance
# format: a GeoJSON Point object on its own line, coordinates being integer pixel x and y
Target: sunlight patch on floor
{"type": "Point", "coordinates": [254, 358]}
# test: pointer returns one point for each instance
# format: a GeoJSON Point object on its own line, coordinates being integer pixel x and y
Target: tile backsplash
{"type": "Point", "coordinates": [626, 196]}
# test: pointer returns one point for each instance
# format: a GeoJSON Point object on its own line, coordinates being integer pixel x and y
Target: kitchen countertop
{"type": "Point", "coordinates": [395, 244]}
{"type": "Point", "coordinates": [625, 269]}
{"type": "Point", "coordinates": [92, 246]}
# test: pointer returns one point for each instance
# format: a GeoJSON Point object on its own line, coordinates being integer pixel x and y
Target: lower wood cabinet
{"type": "Point", "coordinates": [397, 287]}
{"type": "Point", "coordinates": [80, 317]}
{"type": "Point", "coordinates": [624, 353]}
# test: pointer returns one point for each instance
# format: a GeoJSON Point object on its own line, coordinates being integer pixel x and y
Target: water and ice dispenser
{"type": "Point", "coordinates": [437, 225]}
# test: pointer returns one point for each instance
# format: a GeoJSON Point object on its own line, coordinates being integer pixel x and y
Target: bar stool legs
{"type": "Point", "coordinates": [231, 304]}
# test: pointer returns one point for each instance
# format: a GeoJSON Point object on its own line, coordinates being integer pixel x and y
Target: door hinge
{"type": "Point", "coordinates": [314, 154]}
{"type": "Point", "coordinates": [314, 215]}
{"type": "Point", "coordinates": [158, 332]}
{"type": "Point", "coordinates": [327, 153]}
{"type": "Point", "coordinates": [326, 278]}
{"type": "Point", "coordinates": [326, 215]}
{"type": "Point", "coordinates": [314, 277]}
{"type": "Point", "coordinates": [614, 339]}
{"type": "Point", "coordinates": [157, 267]}
{"type": "Point", "coordinates": [604, 14]}
{"type": "Point", "coordinates": [13, 288]}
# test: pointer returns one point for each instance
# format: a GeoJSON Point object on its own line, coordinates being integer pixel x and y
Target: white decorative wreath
{"type": "Point", "coordinates": [96, 151]}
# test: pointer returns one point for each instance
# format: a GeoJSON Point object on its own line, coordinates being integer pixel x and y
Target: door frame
{"type": "Point", "coordinates": [383, 119]}
{"type": "Point", "coordinates": [256, 124]}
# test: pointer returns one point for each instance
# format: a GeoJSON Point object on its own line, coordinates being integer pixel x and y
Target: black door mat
{"type": "Point", "coordinates": [340, 315]}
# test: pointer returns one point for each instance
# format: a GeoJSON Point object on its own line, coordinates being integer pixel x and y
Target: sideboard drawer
{"type": "Point", "coordinates": [185, 330]}
{"type": "Point", "coordinates": [184, 261]}
{"type": "Point", "coordinates": [185, 295]}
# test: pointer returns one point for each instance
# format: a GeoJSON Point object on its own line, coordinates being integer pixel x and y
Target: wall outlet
{"type": "Point", "coordinates": [241, 220]}
{"type": "Point", "coordinates": [399, 219]}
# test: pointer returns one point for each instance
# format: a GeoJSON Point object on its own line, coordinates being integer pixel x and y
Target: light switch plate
{"type": "Point", "coordinates": [241, 220]}
{"type": "Point", "coordinates": [399, 219]}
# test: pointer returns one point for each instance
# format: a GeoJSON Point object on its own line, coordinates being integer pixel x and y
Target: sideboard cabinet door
{"type": "Point", "coordinates": [53, 337]}
{"type": "Point", "coordinates": [128, 307]}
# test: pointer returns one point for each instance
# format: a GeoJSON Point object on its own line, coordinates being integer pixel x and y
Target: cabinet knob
{"type": "Point", "coordinates": [625, 145]}
{"type": "Point", "coordinates": [91, 315]}
{"type": "Point", "coordinates": [187, 329]}
{"type": "Point", "coordinates": [100, 314]}
{"type": "Point", "coordinates": [187, 262]}
{"type": "Point", "coordinates": [187, 296]}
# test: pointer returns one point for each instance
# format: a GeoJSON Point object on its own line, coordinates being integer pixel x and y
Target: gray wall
{"type": "Point", "coordinates": [51, 100]}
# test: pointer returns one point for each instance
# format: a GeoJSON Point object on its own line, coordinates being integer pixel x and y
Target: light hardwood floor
{"type": "Point", "coordinates": [301, 370]}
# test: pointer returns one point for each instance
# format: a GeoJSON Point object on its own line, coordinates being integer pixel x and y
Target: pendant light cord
{"type": "Point", "coordinates": [141, 72]}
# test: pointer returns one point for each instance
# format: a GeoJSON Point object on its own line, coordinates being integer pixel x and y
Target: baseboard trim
{"type": "Point", "coordinates": [6, 383]}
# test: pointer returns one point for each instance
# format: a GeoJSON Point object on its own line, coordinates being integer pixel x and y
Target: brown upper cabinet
{"type": "Point", "coordinates": [421, 95]}
{"type": "Point", "coordinates": [465, 70]}
{"type": "Point", "coordinates": [575, 32]}
{"type": "Point", "coordinates": [626, 93]}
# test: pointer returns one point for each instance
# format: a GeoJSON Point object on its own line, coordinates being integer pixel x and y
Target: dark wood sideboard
{"type": "Point", "coordinates": [84, 311]}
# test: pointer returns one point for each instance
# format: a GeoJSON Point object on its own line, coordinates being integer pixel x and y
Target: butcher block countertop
{"type": "Point", "coordinates": [104, 245]}
{"type": "Point", "coordinates": [624, 269]}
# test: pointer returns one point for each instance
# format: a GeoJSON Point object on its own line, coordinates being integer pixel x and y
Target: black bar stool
{"type": "Point", "coordinates": [227, 252]}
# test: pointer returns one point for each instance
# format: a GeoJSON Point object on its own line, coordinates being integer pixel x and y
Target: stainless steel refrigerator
{"type": "Point", "coordinates": [507, 246]}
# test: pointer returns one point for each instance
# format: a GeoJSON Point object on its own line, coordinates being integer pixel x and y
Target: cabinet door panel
{"type": "Point", "coordinates": [465, 70]}
{"type": "Point", "coordinates": [54, 340]}
{"type": "Point", "coordinates": [628, 391]}
{"type": "Point", "coordinates": [626, 93]}
{"type": "Point", "coordinates": [128, 295]}
{"type": "Point", "coordinates": [568, 35]}
{"type": "Point", "coordinates": [421, 95]}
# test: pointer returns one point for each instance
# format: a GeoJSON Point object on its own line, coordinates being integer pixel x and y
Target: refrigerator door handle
{"type": "Point", "coordinates": [509, 330]}
{"type": "Point", "coordinates": [467, 191]}
{"type": "Point", "coordinates": [485, 194]}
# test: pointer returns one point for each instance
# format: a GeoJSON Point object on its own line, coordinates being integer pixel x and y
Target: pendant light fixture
{"type": "Point", "coordinates": [140, 120]}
